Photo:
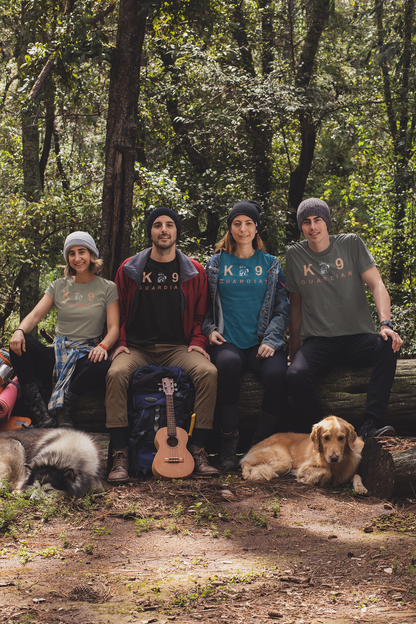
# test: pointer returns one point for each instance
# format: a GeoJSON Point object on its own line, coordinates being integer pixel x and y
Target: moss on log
{"type": "Point", "coordinates": [342, 391]}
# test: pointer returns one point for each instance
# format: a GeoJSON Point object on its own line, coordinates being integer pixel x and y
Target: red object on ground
{"type": "Point", "coordinates": [8, 398]}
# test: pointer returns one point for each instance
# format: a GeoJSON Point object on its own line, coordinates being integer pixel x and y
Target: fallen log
{"type": "Point", "coordinates": [388, 467]}
{"type": "Point", "coordinates": [342, 392]}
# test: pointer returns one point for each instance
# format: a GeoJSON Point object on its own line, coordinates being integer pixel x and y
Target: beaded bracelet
{"type": "Point", "coordinates": [103, 346]}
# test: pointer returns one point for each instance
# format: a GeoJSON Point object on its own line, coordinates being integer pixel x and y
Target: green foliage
{"type": "Point", "coordinates": [219, 120]}
{"type": "Point", "coordinates": [143, 525]}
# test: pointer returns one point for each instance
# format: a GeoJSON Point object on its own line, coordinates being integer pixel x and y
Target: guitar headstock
{"type": "Point", "coordinates": [168, 386]}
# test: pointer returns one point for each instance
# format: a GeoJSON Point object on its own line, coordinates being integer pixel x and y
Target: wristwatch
{"type": "Point", "coordinates": [387, 324]}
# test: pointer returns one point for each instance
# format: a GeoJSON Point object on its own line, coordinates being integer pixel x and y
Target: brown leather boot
{"type": "Point", "coordinates": [119, 471]}
{"type": "Point", "coordinates": [202, 466]}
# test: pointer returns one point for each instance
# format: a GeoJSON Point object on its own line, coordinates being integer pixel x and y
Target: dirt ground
{"type": "Point", "coordinates": [210, 550]}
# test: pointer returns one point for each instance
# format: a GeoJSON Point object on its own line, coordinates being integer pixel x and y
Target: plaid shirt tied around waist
{"type": "Point", "coordinates": [67, 353]}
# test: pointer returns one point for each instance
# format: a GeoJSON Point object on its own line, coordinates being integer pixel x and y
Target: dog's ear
{"type": "Point", "coordinates": [69, 474]}
{"type": "Point", "coordinates": [351, 436]}
{"type": "Point", "coordinates": [316, 437]}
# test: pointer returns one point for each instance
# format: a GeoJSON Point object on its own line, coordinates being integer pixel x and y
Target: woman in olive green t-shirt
{"type": "Point", "coordinates": [78, 359]}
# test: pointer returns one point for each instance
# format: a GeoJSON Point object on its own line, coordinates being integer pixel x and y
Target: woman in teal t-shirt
{"type": "Point", "coordinates": [246, 325]}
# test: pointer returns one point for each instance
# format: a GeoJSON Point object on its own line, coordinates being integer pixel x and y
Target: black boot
{"type": "Point", "coordinates": [370, 430]}
{"type": "Point", "coordinates": [227, 457]}
{"type": "Point", "coordinates": [266, 427]}
{"type": "Point", "coordinates": [39, 412]}
{"type": "Point", "coordinates": [63, 417]}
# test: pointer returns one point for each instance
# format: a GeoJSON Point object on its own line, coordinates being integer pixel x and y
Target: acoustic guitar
{"type": "Point", "coordinates": [172, 460]}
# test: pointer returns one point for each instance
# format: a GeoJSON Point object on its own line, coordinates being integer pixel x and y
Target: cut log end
{"type": "Point", "coordinates": [388, 466]}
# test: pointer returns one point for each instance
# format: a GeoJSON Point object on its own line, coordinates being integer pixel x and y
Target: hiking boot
{"type": "Point", "coordinates": [62, 413]}
{"type": "Point", "coordinates": [227, 458]}
{"type": "Point", "coordinates": [63, 419]}
{"type": "Point", "coordinates": [202, 465]}
{"type": "Point", "coordinates": [119, 471]}
{"type": "Point", "coordinates": [42, 419]}
{"type": "Point", "coordinates": [369, 430]}
{"type": "Point", "coordinates": [257, 437]}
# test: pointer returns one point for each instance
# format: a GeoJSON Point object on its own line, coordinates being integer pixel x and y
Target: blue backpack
{"type": "Point", "coordinates": [147, 411]}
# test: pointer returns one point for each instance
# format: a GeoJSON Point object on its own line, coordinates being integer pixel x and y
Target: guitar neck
{"type": "Point", "coordinates": [170, 416]}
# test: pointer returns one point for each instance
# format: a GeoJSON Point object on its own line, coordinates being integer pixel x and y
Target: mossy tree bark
{"type": "Point", "coordinates": [121, 136]}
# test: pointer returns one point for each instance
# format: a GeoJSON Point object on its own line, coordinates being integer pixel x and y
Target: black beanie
{"type": "Point", "coordinates": [249, 208]}
{"type": "Point", "coordinates": [158, 212]}
{"type": "Point", "coordinates": [313, 207]}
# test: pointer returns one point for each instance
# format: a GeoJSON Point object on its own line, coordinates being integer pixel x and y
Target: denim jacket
{"type": "Point", "coordinates": [274, 312]}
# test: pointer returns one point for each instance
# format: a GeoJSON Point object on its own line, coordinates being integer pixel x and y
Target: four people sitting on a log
{"type": "Point", "coordinates": [245, 326]}
{"type": "Point", "coordinates": [166, 310]}
{"type": "Point", "coordinates": [78, 359]}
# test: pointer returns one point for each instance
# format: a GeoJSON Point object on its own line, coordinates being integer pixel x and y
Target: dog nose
{"type": "Point", "coordinates": [333, 457]}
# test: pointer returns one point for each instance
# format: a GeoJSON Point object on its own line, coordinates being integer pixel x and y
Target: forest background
{"type": "Point", "coordinates": [109, 109]}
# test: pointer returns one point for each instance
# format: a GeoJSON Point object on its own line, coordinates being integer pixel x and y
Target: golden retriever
{"type": "Point", "coordinates": [328, 456]}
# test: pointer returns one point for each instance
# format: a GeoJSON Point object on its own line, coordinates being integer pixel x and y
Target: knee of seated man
{"type": "Point", "coordinates": [115, 373]}
{"type": "Point", "coordinates": [295, 375]}
{"type": "Point", "coordinates": [384, 349]}
{"type": "Point", "coordinates": [207, 374]}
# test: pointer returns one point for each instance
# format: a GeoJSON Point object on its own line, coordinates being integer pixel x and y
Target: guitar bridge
{"type": "Point", "coordinates": [173, 460]}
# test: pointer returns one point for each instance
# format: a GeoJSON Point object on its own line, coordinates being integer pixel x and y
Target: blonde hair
{"type": "Point", "coordinates": [229, 245]}
{"type": "Point", "coordinates": [95, 267]}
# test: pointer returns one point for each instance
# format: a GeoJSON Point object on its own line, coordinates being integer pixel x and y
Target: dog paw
{"type": "Point", "coordinates": [311, 475]}
{"type": "Point", "coordinates": [358, 486]}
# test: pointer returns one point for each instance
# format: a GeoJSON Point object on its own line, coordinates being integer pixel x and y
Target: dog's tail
{"type": "Point", "coordinates": [262, 472]}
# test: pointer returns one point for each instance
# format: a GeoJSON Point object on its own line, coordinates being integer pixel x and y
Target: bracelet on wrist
{"type": "Point", "coordinates": [20, 329]}
{"type": "Point", "coordinates": [387, 324]}
{"type": "Point", "coordinates": [103, 346]}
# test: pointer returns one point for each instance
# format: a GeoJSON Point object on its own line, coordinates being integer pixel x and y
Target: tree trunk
{"type": "Point", "coordinates": [299, 175]}
{"type": "Point", "coordinates": [397, 90]}
{"type": "Point", "coordinates": [121, 136]}
{"type": "Point", "coordinates": [32, 181]}
{"type": "Point", "coordinates": [32, 186]}
{"type": "Point", "coordinates": [318, 15]}
{"type": "Point", "coordinates": [388, 466]}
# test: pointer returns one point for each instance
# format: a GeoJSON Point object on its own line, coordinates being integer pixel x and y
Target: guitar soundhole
{"type": "Point", "coordinates": [172, 441]}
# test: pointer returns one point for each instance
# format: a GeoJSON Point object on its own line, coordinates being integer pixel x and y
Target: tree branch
{"type": "Point", "coordinates": [101, 15]}
{"type": "Point", "coordinates": [42, 78]}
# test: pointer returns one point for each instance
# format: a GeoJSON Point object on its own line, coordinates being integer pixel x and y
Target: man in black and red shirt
{"type": "Point", "coordinates": [163, 299]}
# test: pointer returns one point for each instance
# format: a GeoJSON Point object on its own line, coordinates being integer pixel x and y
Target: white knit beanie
{"type": "Point", "coordinates": [79, 238]}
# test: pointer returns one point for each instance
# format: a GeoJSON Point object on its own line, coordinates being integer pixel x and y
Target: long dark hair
{"type": "Point", "coordinates": [229, 245]}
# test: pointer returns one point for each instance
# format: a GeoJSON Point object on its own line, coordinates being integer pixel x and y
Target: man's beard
{"type": "Point", "coordinates": [167, 243]}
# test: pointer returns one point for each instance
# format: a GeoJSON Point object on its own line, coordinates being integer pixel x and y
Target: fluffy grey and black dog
{"type": "Point", "coordinates": [66, 460]}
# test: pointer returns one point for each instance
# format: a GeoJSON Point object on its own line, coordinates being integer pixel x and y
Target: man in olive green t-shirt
{"type": "Point", "coordinates": [330, 320]}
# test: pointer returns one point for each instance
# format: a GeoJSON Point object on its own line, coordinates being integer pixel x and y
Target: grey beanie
{"type": "Point", "coordinates": [79, 238]}
{"type": "Point", "coordinates": [313, 207]}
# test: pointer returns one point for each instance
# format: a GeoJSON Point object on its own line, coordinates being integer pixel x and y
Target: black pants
{"type": "Point", "coordinates": [230, 361]}
{"type": "Point", "coordinates": [318, 355]}
{"type": "Point", "coordinates": [37, 362]}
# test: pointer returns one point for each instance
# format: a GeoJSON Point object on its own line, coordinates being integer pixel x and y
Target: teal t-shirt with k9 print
{"type": "Point", "coordinates": [242, 285]}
